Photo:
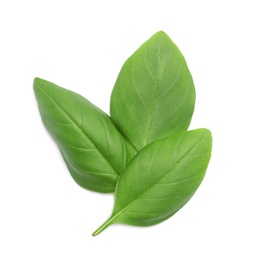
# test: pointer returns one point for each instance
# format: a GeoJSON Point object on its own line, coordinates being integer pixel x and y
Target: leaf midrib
{"type": "Point", "coordinates": [156, 94]}
{"type": "Point", "coordinates": [78, 127]}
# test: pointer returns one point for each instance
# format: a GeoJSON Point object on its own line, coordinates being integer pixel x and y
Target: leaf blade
{"type": "Point", "coordinates": [93, 149]}
{"type": "Point", "coordinates": [154, 94]}
{"type": "Point", "coordinates": [149, 201]}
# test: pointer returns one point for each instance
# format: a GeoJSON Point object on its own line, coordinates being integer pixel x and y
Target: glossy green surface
{"type": "Point", "coordinates": [154, 94]}
{"type": "Point", "coordinates": [93, 149]}
{"type": "Point", "coordinates": [143, 151]}
{"type": "Point", "coordinates": [161, 179]}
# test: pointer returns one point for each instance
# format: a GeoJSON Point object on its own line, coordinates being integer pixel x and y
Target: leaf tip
{"type": "Point", "coordinates": [207, 132]}
{"type": "Point", "coordinates": [37, 82]}
{"type": "Point", "coordinates": [161, 34]}
{"type": "Point", "coordinates": [206, 135]}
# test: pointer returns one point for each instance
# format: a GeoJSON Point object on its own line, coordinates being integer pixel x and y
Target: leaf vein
{"type": "Point", "coordinates": [179, 105]}
{"type": "Point", "coordinates": [156, 94]}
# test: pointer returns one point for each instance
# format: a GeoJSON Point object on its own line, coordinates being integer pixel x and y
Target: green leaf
{"type": "Point", "coordinates": [154, 94]}
{"type": "Point", "coordinates": [93, 149]}
{"type": "Point", "coordinates": [161, 179]}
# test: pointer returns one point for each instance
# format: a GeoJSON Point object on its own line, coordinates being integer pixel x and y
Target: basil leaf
{"type": "Point", "coordinates": [154, 94]}
{"type": "Point", "coordinates": [93, 149]}
{"type": "Point", "coordinates": [161, 179]}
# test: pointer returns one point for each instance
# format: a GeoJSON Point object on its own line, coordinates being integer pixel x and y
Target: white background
{"type": "Point", "coordinates": [81, 45]}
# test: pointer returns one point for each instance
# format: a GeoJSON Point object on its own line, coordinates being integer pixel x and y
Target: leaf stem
{"type": "Point", "coordinates": [106, 224]}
